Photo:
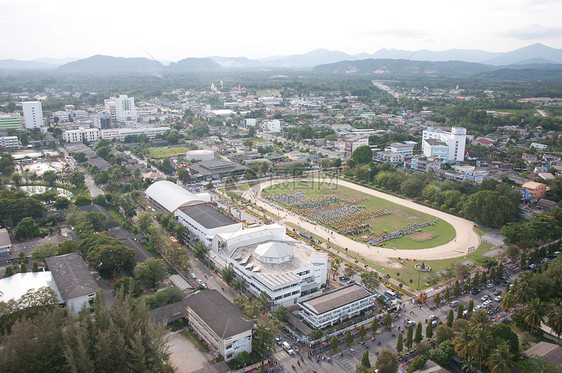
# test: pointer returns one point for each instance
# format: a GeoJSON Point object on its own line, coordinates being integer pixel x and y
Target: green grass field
{"type": "Point", "coordinates": [399, 217]}
{"type": "Point", "coordinates": [167, 151]}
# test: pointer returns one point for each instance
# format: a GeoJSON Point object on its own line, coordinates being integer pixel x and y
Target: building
{"type": "Point", "coordinates": [62, 116]}
{"type": "Point", "coordinates": [273, 126]}
{"type": "Point", "coordinates": [200, 155]}
{"type": "Point", "coordinates": [32, 114]}
{"type": "Point", "coordinates": [122, 133]}
{"type": "Point", "coordinates": [353, 142]}
{"type": "Point", "coordinates": [102, 120]}
{"type": "Point", "coordinates": [394, 158]}
{"type": "Point", "coordinates": [72, 276]}
{"type": "Point", "coordinates": [121, 109]}
{"type": "Point", "coordinates": [271, 262]}
{"type": "Point", "coordinates": [532, 189]}
{"type": "Point", "coordinates": [17, 285]}
{"type": "Point", "coordinates": [425, 164]}
{"type": "Point", "coordinates": [5, 242]}
{"type": "Point", "coordinates": [219, 323]}
{"type": "Point", "coordinates": [215, 169]}
{"type": "Point", "coordinates": [9, 142]}
{"type": "Point", "coordinates": [11, 122]}
{"type": "Point", "coordinates": [81, 134]}
{"type": "Point", "coordinates": [449, 146]}
{"type": "Point", "coordinates": [194, 211]}
{"type": "Point", "coordinates": [407, 150]}
{"type": "Point", "coordinates": [539, 146]}
{"type": "Point", "coordinates": [337, 305]}
{"type": "Point", "coordinates": [550, 352]}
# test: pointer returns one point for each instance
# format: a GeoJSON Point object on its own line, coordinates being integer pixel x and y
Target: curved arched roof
{"type": "Point", "coordinates": [172, 196]}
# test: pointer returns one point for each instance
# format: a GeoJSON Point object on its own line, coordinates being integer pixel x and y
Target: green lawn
{"type": "Point", "coordinates": [167, 151]}
{"type": "Point", "coordinates": [399, 217]}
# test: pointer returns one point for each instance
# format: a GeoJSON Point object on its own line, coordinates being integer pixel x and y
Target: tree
{"type": "Point", "coordinates": [362, 155]}
{"type": "Point", "coordinates": [374, 325]}
{"type": "Point", "coordinates": [335, 266]}
{"type": "Point", "coordinates": [370, 280]}
{"type": "Point", "coordinates": [460, 310]}
{"type": "Point", "coordinates": [457, 289]}
{"type": "Point", "coordinates": [437, 299]}
{"type": "Point", "coordinates": [77, 179]}
{"type": "Point", "coordinates": [200, 250]}
{"type": "Point", "coordinates": [462, 340]}
{"type": "Point", "coordinates": [501, 359]}
{"type": "Point", "coordinates": [107, 259]}
{"type": "Point", "coordinates": [67, 247]}
{"type": "Point", "coordinates": [61, 203]}
{"type": "Point", "coordinates": [490, 208]}
{"type": "Point", "coordinates": [349, 271]}
{"type": "Point", "coordinates": [7, 164]}
{"type": "Point", "coordinates": [429, 331]}
{"type": "Point", "coordinates": [470, 308]}
{"type": "Point", "coordinates": [365, 359]}
{"type": "Point", "coordinates": [409, 336]}
{"type": "Point", "coordinates": [507, 301]}
{"type": "Point", "coordinates": [387, 362]}
{"type": "Point", "coordinates": [128, 286]}
{"type": "Point", "coordinates": [334, 343]}
{"type": "Point", "coordinates": [418, 337]}
{"type": "Point", "coordinates": [555, 320]}
{"type": "Point", "coordinates": [44, 251]}
{"type": "Point", "coordinates": [150, 272]}
{"type": "Point", "coordinates": [35, 266]}
{"type": "Point", "coordinates": [144, 220]}
{"type": "Point", "coordinates": [183, 175]}
{"type": "Point", "coordinates": [534, 313]}
{"type": "Point", "coordinates": [228, 274]}
{"type": "Point", "coordinates": [82, 200]}
{"type": "Point", "coordinates": [27, 228]}
{"type": "Point", "coordinates": [399, 343]}
{"type": "Point", "coordinates": [101, 199]}
{"type": "Point", "coordinates": [362, 332]}
{"type": "Point", "coordinates": [50, 177]}
{"type": "Point", "coordinates": [450, 318]}
{"type": "Point", "coordinates": [443, 333]}
{"type": "Point", "coordinates": [281, 314]}
{"type": "Point", "coordinates": [387, 321]}
{"type": "Point", "coordinates": [9, 272]}
{"type": "Point", "coordinates": [480, 343]}
{"type": "Point", "coordinates": [348, 338]}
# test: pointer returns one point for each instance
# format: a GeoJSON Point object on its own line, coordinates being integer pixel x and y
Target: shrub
{"type": "Point", "coordinates": [444, 206]}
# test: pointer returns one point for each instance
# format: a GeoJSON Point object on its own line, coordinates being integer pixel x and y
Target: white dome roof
{"type": "Point", "coordinates": [274, 251]}
{"type": "Point", "coordinates": [172, 196]}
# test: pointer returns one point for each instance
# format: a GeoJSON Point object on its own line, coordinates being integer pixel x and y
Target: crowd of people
{"type": "Point", "coordinates": [383, 237]}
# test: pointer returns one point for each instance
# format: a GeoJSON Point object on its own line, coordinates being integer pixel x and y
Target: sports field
{"type": "Point", "coordinates": [394, 218]}
{"type": "Point", "coordinates": [167, 151]}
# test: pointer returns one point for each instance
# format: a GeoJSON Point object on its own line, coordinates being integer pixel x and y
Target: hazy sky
{"type": "Point", "coordinates": [172, 30]}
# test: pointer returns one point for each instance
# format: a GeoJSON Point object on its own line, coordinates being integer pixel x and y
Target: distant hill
{"type": "Point", "coordinates": [108, 64]}
{"type": "Point", "coordinates": [25, 65]}
{"type": "Point", "coordinates": [194, 64]}
{"type": "Point", "coordinates": [537, 52]}
{"type": "Point", "coordinates": [404, 67]}
{"type": "Point", "coordinates": [522, 74]}
{"type": "Point", "coordinates": [313, 58]}
{"type": "Point", "coordinates": [236, 62]}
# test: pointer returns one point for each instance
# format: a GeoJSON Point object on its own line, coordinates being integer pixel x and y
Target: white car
{"type": "Point", "coordinates": [199, 281]}
{"type": "Point", "coordinates": [485, 298]}
{"type": "Point", "coordinates": [498, 298]}
{"type": "Point", "coordinates": [433, 317]}
{"type": "Point", "coordinates": [193, 276]}
{"type": "Point", "coordinates": [487, 303]}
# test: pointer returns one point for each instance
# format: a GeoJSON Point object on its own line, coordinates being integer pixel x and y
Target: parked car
{"type": "Point", "coordinates": [288, 348]}
{"type": "Point", "coordinates": [498, 298]}
{"type": "Point", "coordinates": [193, 276]}
{"type": "Point", "coordinates": [490, 285]}
{"type": "Point", "coordinates": [487, 303]}
{"type": "Point", "coordinates": [497, 292]}
{"type": "Point", "coordinates": [410, 323]}
{"type": "Point", "coordinates": [199, 281]}
{"type": "Point", "coordinates": [278, 341]}
{"type": "Point", "coordinates": [485, 297]}
{"type": "Point", "coordinates": [433, 317]}
{"type": "Point", "coordinates": [454, 304]}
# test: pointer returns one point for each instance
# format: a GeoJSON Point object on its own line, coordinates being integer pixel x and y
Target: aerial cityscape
{"type": "Point", "coordinates": [231, 187]}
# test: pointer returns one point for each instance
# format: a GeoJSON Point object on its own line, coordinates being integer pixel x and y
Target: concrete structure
{"type": "Point", "coordinates": [353, 142]}
{"type": "Point", "coordinates": [337, 305]}
{"type": "Point", "coordinates": [9, 142]}
{"type": "Point", "coordinates": [5, 242]}
{"type": "Point", "coordinates": [81, 134]}
{"type": "Point", "coordinates": [425, 164]}
{"type": "Point", "coordinates": [11, 122]}
{"type": "Point", "coordinates": [121, 133]}
{"type": "Point", "coordinates": [62, 116]}
{"type": "Point", "coordinates": [271, 262]}
{"type": "Point", "coordinates": [169, 197]}
{"type": "Point", "coordinates": [76, 285]}
{"type": "Point", "coordinates": [250, 122]}
{"type": "Point", "coordinates": [215, 169]}
{"type": "Point", "coordinates": [32, 114]}
{"type": "Point", "coordinates": [273, 126]}
{"type": "Point", "coordinates": [121, 109]}
{"type": "Point", "coordinates": [394, 158]}
{"type": "Point", "coordinates": [550, 352]}
{"type": "Point", "coordinates": [449, 146]}
{"type": "Point", "coordinates": [200, 155]}
{"type": "Point", "coordinates": [532, 189]}
{"type": "Point", "coordinates": [406, 150]}
{"type": "Point", "coordinates": [218, 322]}
{"type": "Point", "coordinates": [102, 120]}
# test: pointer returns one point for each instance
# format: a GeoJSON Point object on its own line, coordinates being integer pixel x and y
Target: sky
{"type": "Point", "coordinates": [172, 30]}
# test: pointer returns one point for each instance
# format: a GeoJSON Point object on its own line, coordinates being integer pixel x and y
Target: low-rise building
{"type": "Point", "coordinates": [354, 142]}
{"type": "Point", "coordinates": [394, 158]}
{"type": "Point", "coordinates": [81, 134]}
{"type": "Point", "coordinates": [9, 142]}
{"type": "Point", "coordinates": [215, 169]}
{"type": "Point", "coordinates": [532, 189]}
{"type": "Point", "coordinates": [74, 281]}
{"type": "Point", "coordinates": [11, 122]}
{"type": "Point", "coordinates": [5, 242]}
{"type": "Point", "coordinates": [337, 305]}
{"type": "Point", "coordinates": [400, 148]}
{"type": "Point", "coordinates": [425, 164]}
{"type": "Point", "coordinates": [219, 323]}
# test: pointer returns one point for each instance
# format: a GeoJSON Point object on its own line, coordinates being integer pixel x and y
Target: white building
{"type": "Point", "coordinates": [219, 323]}
{"type": "Point", "coordinates": [17, 285]}
{"type": "Point", "coordinates": [250, 122]}
{"type": "Point", "coordinates": [273, 126]}
{"type": "Point", "coordinates": [32, 114]}
{"type": "Point", "coordinates": [5, 242]}
{"type": "Point", "coordinates": [62, 116]}
{"type": "Point", "coordinates": [337, 305]}
{"type": "Point", "coordinates": [122, 108]}
{"type": "Point", "coordinates": [74, 281]}
{"type": "Point", "coordinates": [121, 133]}
{"type": "Point", "coordinates": [354, 142]}
{"type": "Point", "coordinates": [271, 262]}
{"type": "Point", "coordinates": [400, 148]}
{"type": "Point", "coordinates": [448, 146]}
{"type": "Point", "coordinates": [9, 142]}
{"type": "Point", "coordinates": [81, 134]}
{"type": "Point", "coordinates": [200, 155]}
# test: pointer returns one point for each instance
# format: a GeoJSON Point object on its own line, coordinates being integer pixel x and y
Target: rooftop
{"type": "Point", "coordinates": [551, 352]}
{"type": "Point", "coordinates": [72, 276]}
{"type": "Point", "coordinates": [207, 216]}
{"type": "Point", "coordinates": [15, 286]}
{"type": "Point", "coordinates": [218, 313]}
{"type": "Point", "coordinates": [435, 142]}
{"type": "Point", "coordinates": [337, 298]}
{"type": "Point", "coordinates": [171, 196]}
{"type": "Point", "coordinates": [532, 185]}
{"type": "Point", "coordinates": [170, 312]}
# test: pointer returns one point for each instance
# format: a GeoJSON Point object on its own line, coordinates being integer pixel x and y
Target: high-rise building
{"type": "Point", "coordinates": [102, 120]}
{"type": "Point", "coordinates": [122, 108]}
{"type": "Point", "coordinates": [32, 114]}
{"type": "Point", "coordinates": [448, 146]}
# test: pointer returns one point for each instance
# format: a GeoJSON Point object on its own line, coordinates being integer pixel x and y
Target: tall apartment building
{"type": "Point", "coordinates": [122, 108]}
{"type": "Point", "coordinates": [32, 114]}
{"type": "Point", "coordinates": [445, 145]}
{"type": "Point", "coordinates": [11, 122]}
{"type": "Point", "coordinates": [102, 120]}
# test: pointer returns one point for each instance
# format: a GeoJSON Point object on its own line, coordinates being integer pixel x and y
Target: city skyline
{"type": "Point", "coordinates": [252, 29]}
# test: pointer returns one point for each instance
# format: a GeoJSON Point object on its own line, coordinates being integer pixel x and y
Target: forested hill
{"type": "Point", "coordinates": [402, 67]}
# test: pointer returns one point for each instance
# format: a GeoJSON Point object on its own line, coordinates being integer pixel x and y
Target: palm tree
{"type": "Point", "coordinates": [534, 313]}
{"type": "Point", "coordinates": [462, 341]}
{"type": "Point", "coordinates": [480, 343]}
{"type": "Point", "coordinates": [468, 365]}
{"type": "Point", "coordinates": [555, 318]}
{"type": "Point", "coordinates": [480, 319]}
{"type": "Point", "coordinates": [501, 359]}
{"type": "Point", "coordinates": [507, 301]}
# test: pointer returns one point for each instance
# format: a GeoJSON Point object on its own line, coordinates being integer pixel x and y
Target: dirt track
{"type": "Point", "coordinates": [465, 235]}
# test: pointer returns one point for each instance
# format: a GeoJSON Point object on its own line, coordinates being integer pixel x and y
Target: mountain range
{"type": "Point", "coordinates": [452, 62]}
